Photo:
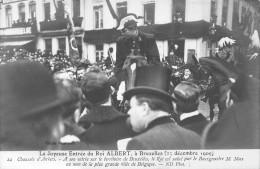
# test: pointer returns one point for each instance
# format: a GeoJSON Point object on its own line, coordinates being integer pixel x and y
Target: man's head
{"type": "Point", "coordinates": [186, 96]}
{"type": "Point", "coordinates": [146, 107]}
{"type": "Point", "coordinates": [95, 86]}
{"type": "Point", "coordinates": [149, 98]}
{"type": "Point", "coordinates": [128, 25]}
{"type": "Point", "coordinates": [30, 107]}
{"type": "Point", "coordinates": [225, 47]}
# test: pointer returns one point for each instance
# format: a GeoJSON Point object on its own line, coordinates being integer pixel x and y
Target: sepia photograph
{"type": "Point", "coordinates": [129, 83]}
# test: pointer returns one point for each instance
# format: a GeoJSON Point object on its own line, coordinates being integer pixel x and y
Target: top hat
{"type": "Point", "coordinates": [27, 88]}
{"type": "Point", "coordinates": [154, 80]}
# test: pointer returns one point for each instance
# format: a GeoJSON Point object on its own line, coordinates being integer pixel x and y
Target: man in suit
{"type": "Point", "coordinates": [107, 124]}
{"type": "Point", "coordinates": [150, 107]}
{"type": "Point", "coordinates": [133, 40]}
{"type": "Point", "coordinates": [31, 111]}
{"type": "Point", "coordinates": [186, 105]}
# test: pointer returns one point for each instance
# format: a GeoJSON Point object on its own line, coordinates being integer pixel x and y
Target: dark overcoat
{"type": "Point", "coordinates": [164, 134]}
{"type": "Point", "coordinates": [195, 123]}
{"type": "Point", "coordinates": [108, 126]}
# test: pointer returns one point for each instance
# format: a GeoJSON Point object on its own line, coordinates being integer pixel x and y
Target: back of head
{"type": "Point", "coordinates": [95, 86]}
{"type": "Point", "coordinates": [186, 96]}
{"type": "Point", "coordinates": [28, 102]}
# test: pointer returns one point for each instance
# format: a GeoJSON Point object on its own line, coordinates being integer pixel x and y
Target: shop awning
{"type": "Point", "coordinates": [29, 45]}
{"type": "Point", "coordinates": [15, 43]}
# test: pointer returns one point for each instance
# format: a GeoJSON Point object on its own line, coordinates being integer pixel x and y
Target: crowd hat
{"type": "Point", "coordinates": [153, 80]}
{"type": "Point", "coordinates": [95, 86]}
{"type": "Point", "coordinates": [128, 21]}
{"type": "Point", "coordinates": [27, 88]}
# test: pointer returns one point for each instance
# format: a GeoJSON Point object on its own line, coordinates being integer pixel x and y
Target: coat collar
{"type": "Point", "coordinates": [187, 115]}
{"type": "Point", "coordinates": [159, 121]}
{"type": "Point", "coordinates": [99, 114]}
{"type": "Point", "coordinates": [193, 119]}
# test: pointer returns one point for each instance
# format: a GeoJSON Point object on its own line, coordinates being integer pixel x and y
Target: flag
{"type": "Point", "coordinates": [73, 47]}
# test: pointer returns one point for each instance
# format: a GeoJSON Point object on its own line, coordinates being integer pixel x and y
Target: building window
{"type": "Point", "coordinates": [225, 13]}
{"type": "Point", "coordinates": [47, 11]}
{"type": "Point", "coordinates": [99, 52]}
{"type": "Point", "coordinates": [121, 9]}
{"type": "Point", "coordinates": [60, 11]}
{"type": "Point", "coordinates": [98, 13]}
{"type": "Point", "coordinates": [213, 11]}
{"type": "Point", "coordinates": [235, 21]}
{"type": "Point", "coordinates": [62, 44]}
{"type": "Point", "coordinates": [79, 43]}
{"type": "Point", "coordinates": [178, 10]}
{"type": "Point", "coordinates": [8, 11]}
{"type": "Point", "coordinates": [76, 8]}
{"type": "Point", "coordinates": [149, 13]}
{"type": "Point", "coordinates": [21, 10]}
{"type": "Point", "coordinates": [32, 10]}
{"type": "Point", "coordinates": [48, 45]}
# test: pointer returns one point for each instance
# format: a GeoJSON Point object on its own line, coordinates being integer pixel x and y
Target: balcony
{"type": "Point", "coordinates": [59, 24]}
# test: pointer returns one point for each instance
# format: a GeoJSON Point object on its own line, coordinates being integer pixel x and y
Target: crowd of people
{"type": "Point", "coordinates": [44, 106]}
{"type": "Point", "coordinates": [44, 111]}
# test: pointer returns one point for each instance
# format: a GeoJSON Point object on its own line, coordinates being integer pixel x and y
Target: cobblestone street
{"type": "Point", "coordinates": [204, 109]}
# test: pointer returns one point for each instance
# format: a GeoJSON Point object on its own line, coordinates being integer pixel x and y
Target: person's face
{"type": "Point", "coordinates": [228, 49]}
{"type": "Point", "coordinates": [187, 72]}
{"type": "Point", "coordinates": [137, 115]}
{"type": "Point", "coordinates": [70, 75]}
{"type": "Point", "coordinates": [130, 31]}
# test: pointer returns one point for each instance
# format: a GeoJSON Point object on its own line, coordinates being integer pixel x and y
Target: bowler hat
{"type": "Point", "coordinates": [153, 80]}
{"type": "Point", "coordinates": [27, 88]}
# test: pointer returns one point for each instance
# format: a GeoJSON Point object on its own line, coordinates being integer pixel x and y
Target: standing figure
{"type": "Point", "coordinates": [31, 111]}
{"type": "Point", "coordinates": [107, 124]}
{"type": "Point", "coordinates": [150, 109]}
{"type": "Point", "coordinates": [186, 105]}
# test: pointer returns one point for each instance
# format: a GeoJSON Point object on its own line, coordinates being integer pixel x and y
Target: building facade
{"type": "Point", "coordinates": [194, 25]}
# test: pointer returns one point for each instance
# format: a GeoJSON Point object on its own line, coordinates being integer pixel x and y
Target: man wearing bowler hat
{"type": "Point", "coordinates": [31, 114]}
{"type": "Point", "coordinates": [133, 40]}
{"type": "Point", "coordinates": [107, 124]}
{"type": "Point", "coordinates": [150, 107]}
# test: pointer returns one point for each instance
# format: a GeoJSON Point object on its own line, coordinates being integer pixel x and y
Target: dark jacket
{"type": "Point", "coordinates": [195, 123]}
{"type": "Point", "coordinates": [164, 134]}
{"type": "Point", "coordinates": [108, 126]}
{"type": "Point", "coordinates": [147, 46]}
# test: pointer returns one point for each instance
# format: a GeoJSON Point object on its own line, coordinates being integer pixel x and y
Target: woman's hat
{"type": "Point", "coordinates": [153, 80]}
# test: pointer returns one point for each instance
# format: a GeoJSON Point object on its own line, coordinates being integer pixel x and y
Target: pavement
{"type": "Point", "coordinates": [204, 109]}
